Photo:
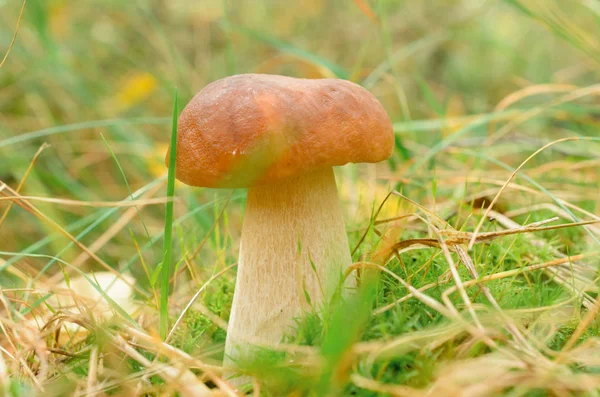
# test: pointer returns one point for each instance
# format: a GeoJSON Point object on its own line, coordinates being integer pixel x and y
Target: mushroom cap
{"type": "Point", "coordinates": [254, 129]}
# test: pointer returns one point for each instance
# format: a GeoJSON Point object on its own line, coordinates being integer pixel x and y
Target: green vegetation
{"type": "Point", "coordinates": [457, 300]}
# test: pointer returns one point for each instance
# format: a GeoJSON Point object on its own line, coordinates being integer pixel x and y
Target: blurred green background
{"type": "Point", "coordinates": [473, 88]}
{"type": "Point", "coordinates": [96, 80]}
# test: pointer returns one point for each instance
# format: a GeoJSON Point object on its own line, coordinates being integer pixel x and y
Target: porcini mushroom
{"type": "Point", "coordinates": [280, 137]}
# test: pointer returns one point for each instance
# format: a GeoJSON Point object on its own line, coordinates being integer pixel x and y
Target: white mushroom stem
{"type": "Point", "coordinates": [285, 224]}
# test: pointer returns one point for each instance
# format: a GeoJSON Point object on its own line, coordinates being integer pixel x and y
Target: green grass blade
{"type": "Point", "coordinates": [437, 124]}
{"type": "Point", "coordinates": [444, 143]}
{"type": "Point", "coordinates": [342, 332]}
{"type": "Point", "coordinates": [189, 215]}
{"type": "Point", "coordinates": [81, 127]}
{"type": "Point", "coordinates": [114, 156]}
{"type": "Point", "coordinates": [166, 262]}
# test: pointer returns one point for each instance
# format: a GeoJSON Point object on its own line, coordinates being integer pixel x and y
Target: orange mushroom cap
{"type": "Point", "coordinates": [255, 129]}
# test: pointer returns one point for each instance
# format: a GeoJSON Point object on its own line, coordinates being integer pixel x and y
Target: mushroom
{"type": "Point", "coordinates": [280, 137]}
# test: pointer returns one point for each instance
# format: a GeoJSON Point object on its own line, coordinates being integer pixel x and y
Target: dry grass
{"type": "Point", "coordinates": [481, 233]}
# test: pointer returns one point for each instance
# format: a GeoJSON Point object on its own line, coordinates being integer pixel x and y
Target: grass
{"type": "Point", "coordinates": [165, 265]}
{"type": "Point", "coordinates": [474, 288]}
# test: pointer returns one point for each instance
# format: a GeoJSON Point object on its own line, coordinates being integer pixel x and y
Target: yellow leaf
{"type": "Point", "coordinates": [134, 90]}
{"type": "Point", "coordinates": [155, 160]}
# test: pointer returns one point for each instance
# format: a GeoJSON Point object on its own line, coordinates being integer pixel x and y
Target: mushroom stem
{"type": "Point", "coordinates": [286, 227]}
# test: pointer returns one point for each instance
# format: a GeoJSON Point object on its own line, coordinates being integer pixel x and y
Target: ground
{"type": "Point", "coordinates": [476, 242]}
